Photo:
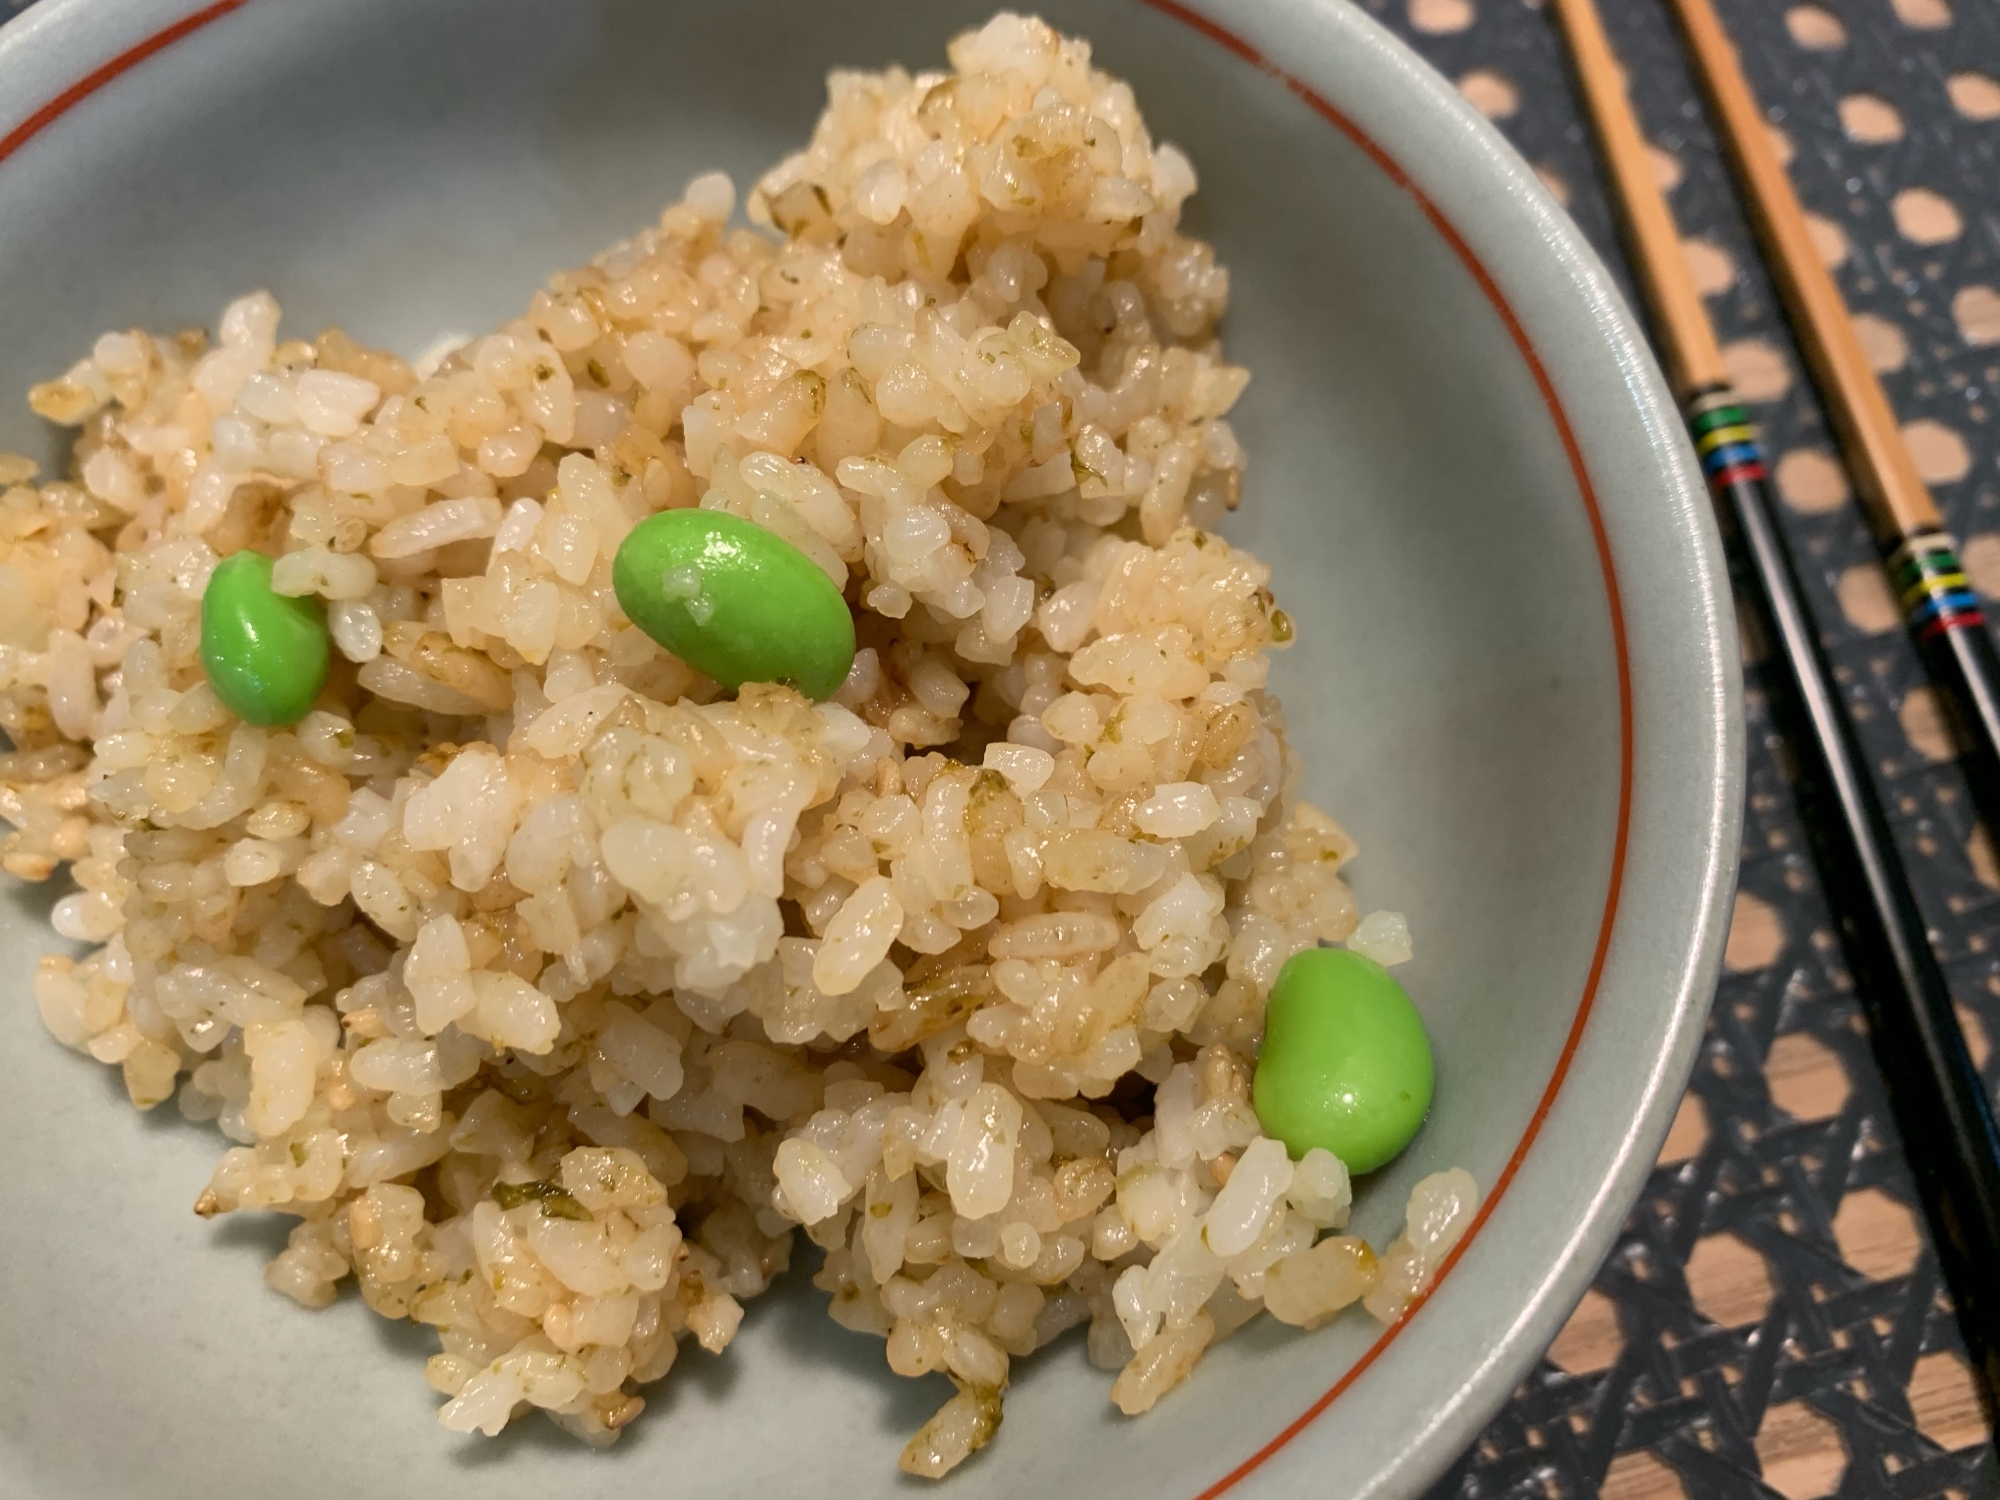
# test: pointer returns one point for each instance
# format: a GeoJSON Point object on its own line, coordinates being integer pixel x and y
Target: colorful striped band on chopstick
{"type": "Point", "coordinates": [1724, 439]}
{"type": "Point", "coordinates": [1930, 583]}
{"type": "Point", "coordinates": [1932, 586]}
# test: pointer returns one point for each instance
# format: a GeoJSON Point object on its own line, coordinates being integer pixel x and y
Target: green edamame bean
{"type": "Point", "coordinates": [265, 654]}
{"type": "Point", "coordinates": [1345, 1062]}
{"type": "Point", "coordinates": [735, 601]}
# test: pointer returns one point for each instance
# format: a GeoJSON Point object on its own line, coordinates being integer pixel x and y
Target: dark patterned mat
{"type": "Point", "coordinates": [1771, 1320]}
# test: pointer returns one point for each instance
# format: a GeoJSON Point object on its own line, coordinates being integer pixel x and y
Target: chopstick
{"type": "Point", "coordinates": [1940, 606]}
{"type": "Point", "coordinates": [1935, 1092]}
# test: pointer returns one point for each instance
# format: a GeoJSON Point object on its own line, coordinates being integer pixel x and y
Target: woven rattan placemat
{"type": "Point", "coordinates": [1771, 1319]}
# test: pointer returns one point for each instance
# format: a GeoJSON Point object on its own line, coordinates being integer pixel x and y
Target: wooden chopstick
{"type": "Point", "coordinates": [1682, 330]}
{"type": "Point", "coordinates": [1885, 475]}
{"type": "Point", "coordinates": [1940, 1104]}
{"type": "Point", "coordinates": [1940, 605]}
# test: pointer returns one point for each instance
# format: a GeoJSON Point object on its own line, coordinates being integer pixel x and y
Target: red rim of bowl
{"type": "Point", "coordinates": [1373, 150]}
{"type": "Point", "coordinates": [50, 112]}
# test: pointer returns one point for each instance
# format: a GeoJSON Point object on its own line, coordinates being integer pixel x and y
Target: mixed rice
{"type": "Point", "coordinates": [548, 987]}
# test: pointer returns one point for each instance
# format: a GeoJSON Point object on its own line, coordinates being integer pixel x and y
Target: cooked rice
{"type": "Point", "coordinates": [547, 987]}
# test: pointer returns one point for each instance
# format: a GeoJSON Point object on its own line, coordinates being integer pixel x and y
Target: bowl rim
{"type": "Point", "coordinates": [78, 47]}
{"type": "Point", "coordinates": [1551, 1299]}
{"type": "Point", "coordinates": [1295, 42]}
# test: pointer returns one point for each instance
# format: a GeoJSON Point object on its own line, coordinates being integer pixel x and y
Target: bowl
{"type": "Point", "coordinates": [1519, 691]}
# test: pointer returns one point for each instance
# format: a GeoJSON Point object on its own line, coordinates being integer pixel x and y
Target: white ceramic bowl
{"type": "Point", "coordinates": [1518, 688]}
